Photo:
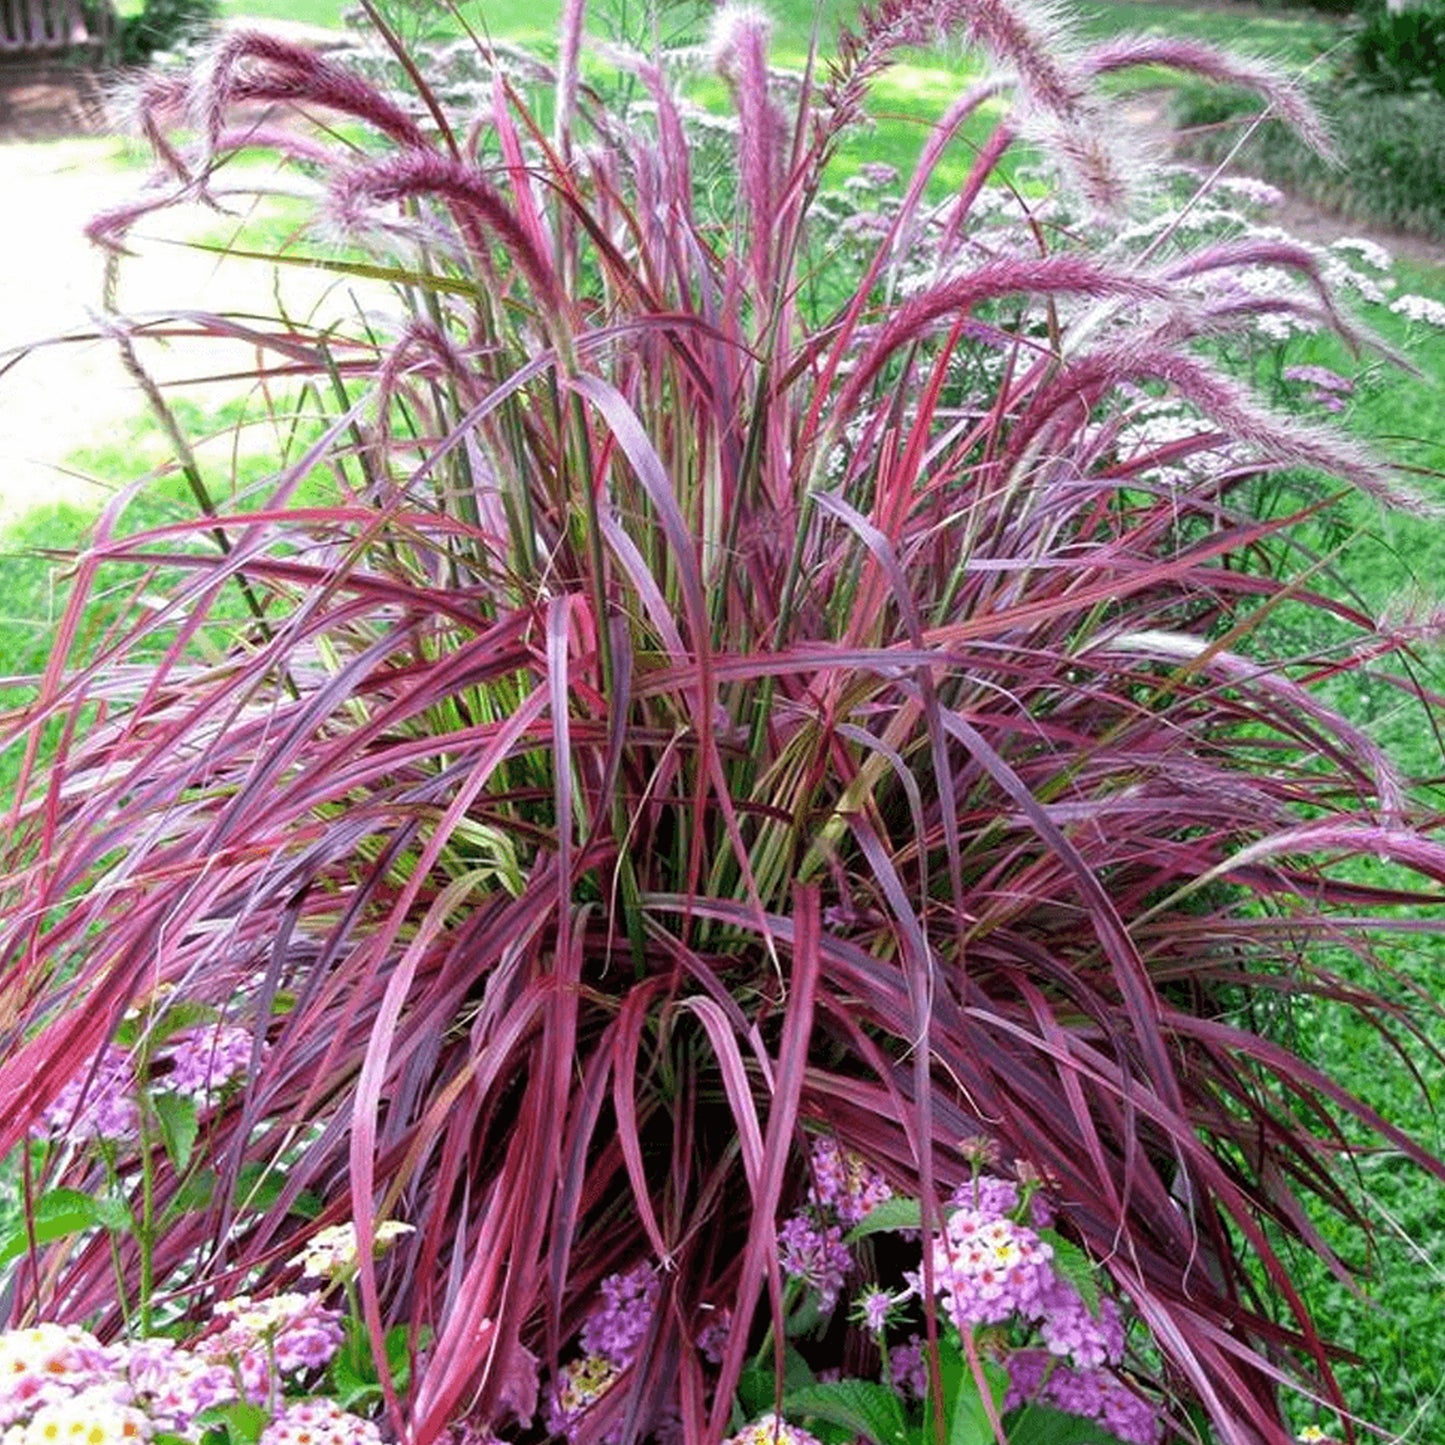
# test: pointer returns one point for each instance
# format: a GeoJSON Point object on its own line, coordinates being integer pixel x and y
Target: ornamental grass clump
{"type": "Point", "coordinates": [705, 683]}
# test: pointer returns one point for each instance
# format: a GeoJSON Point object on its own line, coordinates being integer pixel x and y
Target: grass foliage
{"type": "Point", "coordinates": [677, 700]}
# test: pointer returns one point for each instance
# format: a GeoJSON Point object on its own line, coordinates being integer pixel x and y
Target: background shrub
{"type": "Point", "coordinates": [162, 25]}
{"type": "Point", "coordinates": [1392, 153]}
{"type": "Point", "coordinates": [1402, 50]}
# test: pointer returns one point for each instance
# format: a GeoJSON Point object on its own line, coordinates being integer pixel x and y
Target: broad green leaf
{"type": "Point", "coordinates": [58, 1213]}
{"type": "Point", "coordinates": [900, 1212]}
{"type": "Point", "coordinates": [180, 1123]}
{"type": "Point", "coordinates": [114, 1214]}
{"type": "Point", "coordinates": [242, 1422]}
{"type": "Point", "coordinates": [308, 1204]}
{"type": "Point", "coordinates": [259, 1186]}
{"type": "Point", "coordinates": [807, 1316]}
{"type": "Point", "coordinates": [860, 1406]}
{"type": "Point", "coordinates": [398, 1353]}
{"type": "Point", "coordinates": [1043, 1425]}
{"type": "Point", "coordinates": [350, 1385]}
{"type": "Point", "coordinates": [1074, 1265]}
{"type": "Point", "coordinates": [757, 1386]}
{"type": "Point", "coordinates": [196, 1193]}
{"type": "Point", "coordinates": [163, 1023]}
{"type": "Point", "coordinates": [969, 1423]}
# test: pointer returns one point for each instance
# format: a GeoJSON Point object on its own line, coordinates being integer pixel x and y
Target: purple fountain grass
{"type": "Point", "coordinates": [676, 723]}
{"type": "Point", "coordinates": [1284, 96]}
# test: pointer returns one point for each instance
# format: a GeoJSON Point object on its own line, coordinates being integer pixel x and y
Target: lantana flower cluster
{"type": "Point", "coordinates": [995, 1272]}
{"type": "Point", "coordinates": [60, 1383]}
{"type": "Point", "coordinates": [611, 1336]}
{"type": "Point", "coordinates": [101, 1101]}
{"type": "Point", "coordinates": [769, 1429]}
{"type": "Point", "coordinates": [331, 1253]}
{"type": "Point", "coordinates": [990, 1269]}
{"type": "Point", "coordinates": [843, 1192]}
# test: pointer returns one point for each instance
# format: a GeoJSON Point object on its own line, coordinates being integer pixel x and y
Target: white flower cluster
{"type": "Point", "coordinates": [1420, 309]}
{"type": "Point", "coordinates": [1368, 253]}
{"type": "Point", "coordinates": [1154, 426]}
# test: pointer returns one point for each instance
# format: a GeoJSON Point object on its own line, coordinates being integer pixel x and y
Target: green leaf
{"type": "Point", "coordinates": [900, 1212]}
{"type": "Point", "coordinates": [398, 1355]}
{"type": "Point", "coordinates": [259, 1186]}
{"type": "Point", "coordinates": [195, 1194]}
{"type": "Point", "coordinates": [1075, 1266]}
{"type": "Point", "coordinates": [350, 1385]}
{"type": "Point", "coordinates": [242, 1422]}
{"type": "Point", "coordinates": [969, 1423]}
{"type": "Point", "coordinates": [308, 1204]}
{"type": "Point", "coordinates": [1043, 1425]}
{"type": "Point", "coordinates": [423, 280]}
{"type": "Point", "coordinates": [158, 1025]}
{"type": "Point", "coordinates": [808, 1316]}
{"type": "Point", "coordinates": [114, 1214]}
{"type": "Point", "coordinates": [58, 1213]}
{"type": "Point", "coordinates": [860, 1406]}
{"type": "Point", "coordinates": [180, 1123]}
{"type": "Point", "coordinates": [757, 1388]}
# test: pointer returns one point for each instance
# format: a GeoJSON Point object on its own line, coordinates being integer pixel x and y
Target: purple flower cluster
{"type": "Point", "coordinates": [1071, 1329]}
{"type": "Point", "coordinates": [298, 1332]}
{"type": "Point", "coordinates": [611, 1335]}
{"type": "Point", "coordinates": [770, 1430]}
{"type": "Point", "coordinates": [844, 1185]}
{"type": "Point", "coordinates": [58, 1382]}
{"type": "Point", "coordinates": [908, 1369]}
{"type": "Point", "coordinates": [579, 1385]}
{"type": "Point", "coordinates": [318, 1422]}
{"type": "Point", "coordinates": [616, 1327]}
{"type": "Point", "coordinates": [815, 1253]}
{"type": "Point", "coordinates": [1035, 1375]}
{"type": "Point", "coordinates": [988, 1269]}
{"type": "Point", "coordinates": [98, 1103]}
{"type": "Point", "coordinates": [174, 1384]}
{"type": "Point", "coordinates": [46, 1364]}
{"type": "Point", "coordinates": [712, 1339]}
{"type": "Point", "coordinates": [988, 1194]}
{"type": "Point", "coordinates": [205, 1059]}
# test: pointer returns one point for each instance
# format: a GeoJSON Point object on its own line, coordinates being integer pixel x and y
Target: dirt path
{"type": "Point", "coordinates": [59, 399]}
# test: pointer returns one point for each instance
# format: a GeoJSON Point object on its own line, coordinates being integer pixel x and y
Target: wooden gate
{"type": "Point", "coordinates": [51, 27]}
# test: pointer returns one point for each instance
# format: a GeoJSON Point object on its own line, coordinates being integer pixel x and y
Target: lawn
{"type": "Point", "coordinates": [1391, 560]}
